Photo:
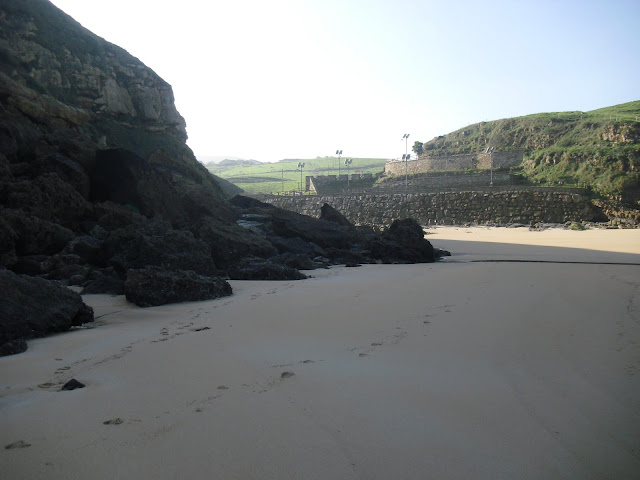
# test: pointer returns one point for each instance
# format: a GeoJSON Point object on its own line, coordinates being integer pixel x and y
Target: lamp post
{"type": "Point", "coordinates": [300, 166]}
{"type": "Point", "coordinates": [347, 162]}
{"type": "Point", "coordinates": [489, 150]}
{"type": "Point", "coordinates": [339, 153]}
{"type": "Point", "coordinates": [406, 158]}
{"type": "Point", "coordinates": [405, 137]}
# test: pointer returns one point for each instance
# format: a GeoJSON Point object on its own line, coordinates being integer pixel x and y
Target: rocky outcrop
{"type": "Point", "coordinates": [151, 286]}
{"type": "Point", "coordinates": [33, 307]}
{"type": "Point", "coordinates": [333, 239]}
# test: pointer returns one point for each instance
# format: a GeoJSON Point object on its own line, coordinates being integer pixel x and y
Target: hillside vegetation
{"type": "Point", "coordinates": [284, 176]}
{"type": "Point", "coordinates": [599, 149]}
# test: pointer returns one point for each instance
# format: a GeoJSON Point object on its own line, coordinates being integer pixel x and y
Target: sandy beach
{"type": "Point", "coordinates": [470, 368]}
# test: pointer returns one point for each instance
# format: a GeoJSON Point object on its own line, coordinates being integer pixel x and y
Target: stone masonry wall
{"type": "Point", "coordinates": [481, 206]}
{"type": "Point", "coordinates": [481, 160]}
{"type": "Point", "coordinates": [441, 180]}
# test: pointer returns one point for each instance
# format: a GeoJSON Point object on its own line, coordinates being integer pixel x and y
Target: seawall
{"type": "Point", "coordinates": [497, 205]}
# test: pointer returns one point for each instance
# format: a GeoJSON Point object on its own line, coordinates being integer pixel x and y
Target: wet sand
{"type": "Point", "coordinates": [460, 369]}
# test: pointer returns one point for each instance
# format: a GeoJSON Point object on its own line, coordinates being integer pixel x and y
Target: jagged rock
{"type": "Point", "coordinates": [402, 242]}
{"type": "Point", "coordinates": [330, 214]}
{"type": "Point", "coordinates": [287, 224]}
{"type": "Point", "coordinates": [153, 286]}
{"type": "Point", "coordinates": [33, 307]}
{"type": "Point", "coordinates": [261, 269]}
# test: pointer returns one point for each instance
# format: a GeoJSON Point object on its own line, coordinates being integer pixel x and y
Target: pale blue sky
{"type": "Point", "coordinates": [301, 78]}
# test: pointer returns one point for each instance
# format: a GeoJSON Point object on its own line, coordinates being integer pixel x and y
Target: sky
{"type": "Point", "coordinates": [296, 79]}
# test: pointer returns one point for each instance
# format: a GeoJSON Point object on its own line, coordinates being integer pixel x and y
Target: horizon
{"type": "Point", "coordinates": [299, 79]}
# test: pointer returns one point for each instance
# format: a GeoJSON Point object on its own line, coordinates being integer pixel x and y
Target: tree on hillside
{"type": "Point", "coordinates": [418, 148]}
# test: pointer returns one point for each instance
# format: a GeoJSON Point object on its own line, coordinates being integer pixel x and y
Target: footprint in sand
{"type": "Point", "coordinates": [113, 421]}
{"type": "Point", "coordinates": [18, 444]}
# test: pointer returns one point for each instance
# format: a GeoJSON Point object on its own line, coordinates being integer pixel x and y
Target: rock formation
{"type": "Point", "coordinates": [34, 307]}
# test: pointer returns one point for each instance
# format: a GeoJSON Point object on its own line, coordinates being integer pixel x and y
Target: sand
{"type": "Point", "coordinates": [456, 370]}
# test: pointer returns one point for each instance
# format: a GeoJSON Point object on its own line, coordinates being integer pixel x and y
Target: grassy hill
{"type": "Point", "coordinates": [599, 149]}
{"type": "Point", "coordinates": [284, 175]}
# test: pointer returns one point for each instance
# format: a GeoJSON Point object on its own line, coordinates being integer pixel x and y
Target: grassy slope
{"type": "Point", "coordinates": [285, 175]}
{"type": "Point", "coordinates": [600, 148]}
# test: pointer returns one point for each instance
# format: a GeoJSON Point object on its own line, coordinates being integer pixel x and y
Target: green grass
{"type": "Point", "coordinates": [284, 176]}
{"type": "Point", "coordinates": [599, 149]}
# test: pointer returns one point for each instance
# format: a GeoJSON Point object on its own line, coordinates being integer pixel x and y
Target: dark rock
{"type": "Point", "coordinates": [89, 248]}
{"type": "Point", "coordinates": [72, 385]}
{"type": "Point", "coordinates": [261, 269]}
{"type": "Point", "coordinates": [230, 242]}
{"type": "Point", "coordinates": [330, 214]}
{"type": "Point", "coordinates": [439, 252]}
{"type": "Point", "coordinates": [66, 169]}
{"type": "Point", "coordinates": [298, 262]}
{"type": "Point", "coordinates": [29, 264]}
{"type": "Point", "coordinates": [35, 236]}
{"type": "Point", "coordinates": [296, 246]}
{"type": "Point", "coordinates": [33, 307]}
{"type": "Point", "coordinates": [15, 346]}
{"type": "Point", "coordinates": [341, 256]}
{"type": "Point", "coordinates": [153, 286]}
{"type": "Point", "coordinates": [105, 280]}
{"type": "Point", "coordinates": [155, 243]}
{"type": "Point", "coordinates": [402, 242]}
{"type": "Point", "coordinates": [63, 267]}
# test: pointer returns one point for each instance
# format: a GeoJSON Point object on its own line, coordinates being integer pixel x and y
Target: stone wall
{"type": "Point", "coordinates": [507, 205]}
{"type": "Point", "coordinates": [480, 160]}
{"type": "Point", "coordinates": [444, 180]}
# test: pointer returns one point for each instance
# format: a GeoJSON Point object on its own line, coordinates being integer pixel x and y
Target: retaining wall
{"type": "Point", "coordinates": [480, 206]}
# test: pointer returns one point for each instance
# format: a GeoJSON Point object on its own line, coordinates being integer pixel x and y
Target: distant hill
{"type": "Point", "coordinates": [228, 162]}
{"type": "Point", "coordinates": [285, 175]}
{"type": "Point", "coordinates": [599, 149]}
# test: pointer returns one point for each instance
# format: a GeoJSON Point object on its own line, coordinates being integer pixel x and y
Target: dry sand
{"type": "Point", "coordinates": [455, 370]}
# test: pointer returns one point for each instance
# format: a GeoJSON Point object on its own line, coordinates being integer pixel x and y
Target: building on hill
{"type": "Point", "coordinates": [477, 161]}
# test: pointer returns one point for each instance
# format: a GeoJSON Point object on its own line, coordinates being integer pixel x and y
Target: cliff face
{"type": "Point", "coordinates": [90, 142]}
{"type": "Point", "coordinates": [75, 102]}
{"type": "Point", "coordinates": [59, 74]}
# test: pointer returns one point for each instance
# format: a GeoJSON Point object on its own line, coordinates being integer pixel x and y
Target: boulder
{"type": "Point", "coordinates": [151, 286]}
{"type": "Point", "coordinates": [33, 307]}
{"type": "Point", "coordinates": [402, 242]}
{"type": "Point", "coordinates": [261, 269]}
